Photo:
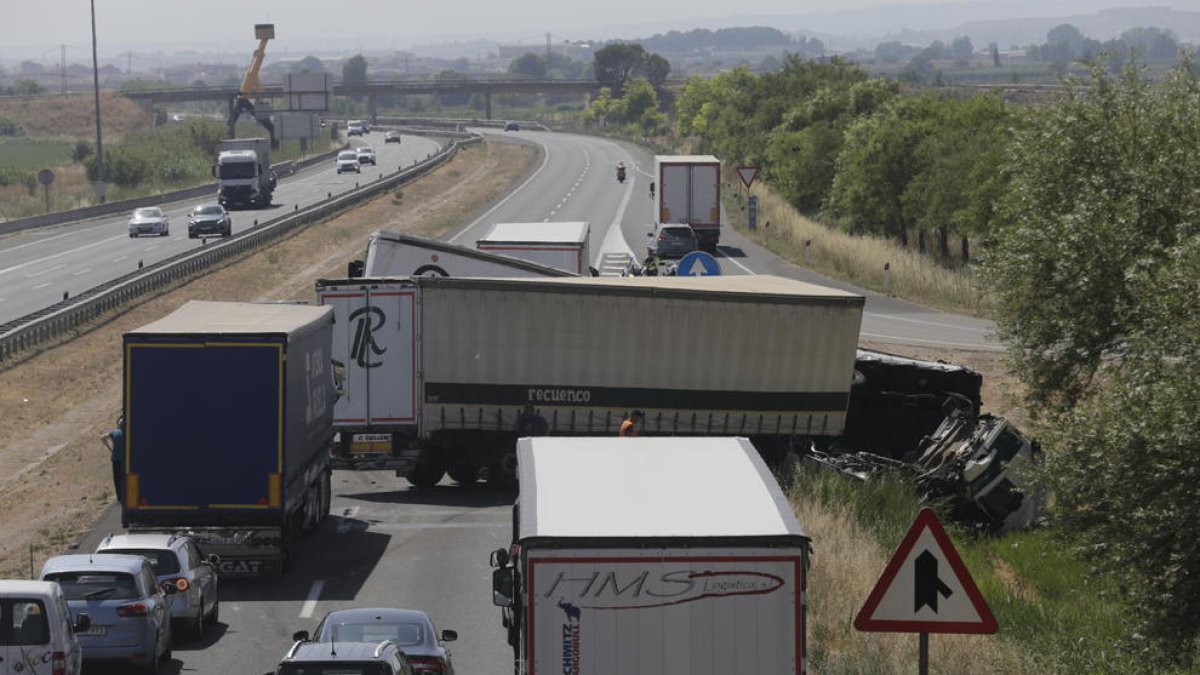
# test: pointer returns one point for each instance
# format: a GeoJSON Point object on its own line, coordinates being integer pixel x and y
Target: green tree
{"type": "Point", "coordinates": [1099, 196]}
{"type": "Point", "coordinates": [309, 64]}
{"type": "Point", "coordinates": [354, 70]}
{"type": "Point", "coordinates": [616, 63]}
{"type": "Point", "coordinates": [27, 88]}
{"type": "Point", "coordinates": [10, 128]}
{"type": "Point", "coordinates": [528, 65]}
{"type": "Point", "coordinates": [461, 96]}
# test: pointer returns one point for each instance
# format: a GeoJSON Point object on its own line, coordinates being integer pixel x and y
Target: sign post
{"type": "Point", "coordinates": [698, 264]}
{"type": "Point", "coordinates": [752, 204]}
{"type": "Point", "coordinates": [46, 177]}
{"type": "Point", "coordinates": [925, 589]}
{"type": "Point", "coordinates": [747, 174]}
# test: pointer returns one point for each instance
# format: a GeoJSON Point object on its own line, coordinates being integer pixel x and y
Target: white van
{"type": "Point", "coordinates": [36, 632]}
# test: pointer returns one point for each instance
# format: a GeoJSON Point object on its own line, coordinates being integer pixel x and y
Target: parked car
{"type": "Point", "coordinates": [344, 658]}
{"type": "Point", "coordinates": [356, 128]}
{"type": "Point", "coordinates": [129, 612]}
{"type": "Point", "coordinates": [409, 629]}
{"type": "Point", "coordinates": [149, 220]}
{"type": "Point", "coordinates": [366, 155]}
{"type": "Point", "coordinates": [36, 628]}
{"type": "Point", "coordinates": [347, 160]}
{"type": "Point", "coordinates": [672, 240]}
{"type": "Point", "coordinates": [392, 137]}
{"type": "Point", "coordinates": [512, 126]}
{"type": "Point", "coordinates": [209, 219]}
{"type": "Point", "coordinates": [177, 561]}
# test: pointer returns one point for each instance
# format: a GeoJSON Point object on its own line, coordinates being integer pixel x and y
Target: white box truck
{"type": "Point", "coordinates": [675, 556]}
{"type": "Point", "coordinates": [689, 191]}
{"type": "Point", "coordinates": [243, 172]}
{"type": "Point", "coordinates": [563, 245]}
{"type": "Point", "coordinates": [400, 255]}
{"type": "Point", "coordinates": [438, 369]}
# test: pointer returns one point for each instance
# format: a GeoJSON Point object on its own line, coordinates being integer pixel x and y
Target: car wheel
{"type": "Point", "coordinates": [166, 652]}
{"type": "Point", "coordinates": [132, 235]}
{"type": "Point", "coordinates": [228, 232]}
{"type": "Point", "coordinates": [215, 613]}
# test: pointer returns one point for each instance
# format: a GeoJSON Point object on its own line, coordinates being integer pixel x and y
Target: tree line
{"type": "Point", "coordinates": [1088, 215]}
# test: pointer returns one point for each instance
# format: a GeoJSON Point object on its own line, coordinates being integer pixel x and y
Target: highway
{"type": "Point", "coordinates": [388, 544]}
{"type": "Point", "coordinates": [38, 266]}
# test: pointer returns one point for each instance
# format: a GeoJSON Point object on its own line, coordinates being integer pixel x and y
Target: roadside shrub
{"type": "Point", "coordinates": [10, 128]}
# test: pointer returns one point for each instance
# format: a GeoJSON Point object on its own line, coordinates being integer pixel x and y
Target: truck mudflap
{"type": "Point", "coordinates": [244, 551]}
{"type": "Point", "coordinates": [707, 236]}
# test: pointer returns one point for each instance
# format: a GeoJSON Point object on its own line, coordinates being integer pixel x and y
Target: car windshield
{"type": "Point", "coordinates": [151, 212]}
{"type": "Point", "coordinates": [208, 210]}
{"type": "Point", "coordinates": [163, 561]}
{"type": "Point", "coordinates": [95, 585]}
{"type": "Point", "coordinates": [365, 150]}
{"type": "Point", "coordinates": [238, 169]}
{"type": "Point", "coordinates": [337, 668]}
{"type": "Point", "coordinates": [346, 155]}
{"type": "Point", "coordinates": [403, 634]}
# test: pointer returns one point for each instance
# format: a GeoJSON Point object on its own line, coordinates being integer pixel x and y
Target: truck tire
{"type": "Point", "coordinates": [463, 475]}
{"type": "Point", "coordinates": [326, 496]}
{"type": "Point", "coordinates": [425, 476]}
{"type": "Point", "coordinates": [503, 473]}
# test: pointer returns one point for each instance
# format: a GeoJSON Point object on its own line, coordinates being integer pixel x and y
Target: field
{"type": "Point", "coordinates": [33, 154]}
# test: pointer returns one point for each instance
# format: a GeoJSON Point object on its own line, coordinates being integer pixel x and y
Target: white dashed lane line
{"type": "Point", "coordinates": [310, 605]}
{"type": "Point", "coordinates": [83, 271]}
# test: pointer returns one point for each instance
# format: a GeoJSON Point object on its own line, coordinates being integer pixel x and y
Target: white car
{"type": "Point", "coordinates": [177, 561]}
{"type": "Point", "coordinates": [356, 128]}
{"type": "Point", "coordinates": [149, 220]}
{"type": "Point", "coordinates": [347, 160]}
{"type": "Point", "coordinates": [42, 632]}
{"type": "Point", "coordinates": [366, 155]}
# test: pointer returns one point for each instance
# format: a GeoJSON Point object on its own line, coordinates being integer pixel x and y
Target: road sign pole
{"type": "Point", "coordinates": [923, 657]}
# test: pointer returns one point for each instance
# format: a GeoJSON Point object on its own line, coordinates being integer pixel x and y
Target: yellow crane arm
{"type": "Point", "coordinates": [265, 32]}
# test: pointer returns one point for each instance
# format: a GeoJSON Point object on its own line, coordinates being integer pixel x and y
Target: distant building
{"type": "Point", "coordinates": [580, 51]}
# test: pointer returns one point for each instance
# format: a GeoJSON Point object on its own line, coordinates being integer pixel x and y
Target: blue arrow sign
{"type": "Point", "coordinates": [698, 264]}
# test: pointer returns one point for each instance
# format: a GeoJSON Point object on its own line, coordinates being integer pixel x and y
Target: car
{"type": "Point", "coordinates": [672, 240]}
{"type": "Point", "coordinates": [366, 155]}
{"type": "Point", "coordinates": [177, 561]}
{"type": "Point", "coordinates": [409, 629]}
{"type": "Point", "coordinates": [149, 220]}
{"type": "Point", "coordinates": [209, 219]}
{"type": "Point", "coordinates": [355, 128]}
{"type": "Point", "coordinates": [129, 612]}
{"type": "Point", "coordinates": [344, 658]}
{"type": "Point", "coordinates": [36, 628]}
{"type": "Point", "coordinates": [512, 126]}
{"type": "Point", "coordinates": [392, 137]}
{"type": "Point", "coordinates": [347, 160]}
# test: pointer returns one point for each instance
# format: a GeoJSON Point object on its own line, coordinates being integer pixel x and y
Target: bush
{"type": "Point", "coordinates": [10, 128]}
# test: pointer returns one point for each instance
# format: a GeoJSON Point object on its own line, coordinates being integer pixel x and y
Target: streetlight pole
{"type": "Point", "coordinates": [100, 187]}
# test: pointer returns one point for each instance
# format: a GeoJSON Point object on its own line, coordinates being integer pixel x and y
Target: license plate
{"type": "Point", "coordinates": [95, 630]}
{"type": "Point", "coordinates": [371, 444]}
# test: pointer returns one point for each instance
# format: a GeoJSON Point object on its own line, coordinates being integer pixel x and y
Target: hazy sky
{"type": "Point", "coordinates": [36, 28]}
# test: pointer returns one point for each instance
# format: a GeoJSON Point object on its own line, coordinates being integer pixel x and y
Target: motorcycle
{"type": "Point", "coordinates": [620, 173]}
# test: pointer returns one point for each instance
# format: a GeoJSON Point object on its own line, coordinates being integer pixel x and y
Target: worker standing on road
{"type": "Point", "coordinates": [115, 442]}
{"type": "Point", "coordinates": [631, 426]}
{"type": "Point", "coordinates": [529, 423]}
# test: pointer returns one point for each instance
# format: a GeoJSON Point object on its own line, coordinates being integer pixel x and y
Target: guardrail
{"type": "Point", "coordinates": [71, 314]}
{"type": "Point", "coordinates": [88, 212]}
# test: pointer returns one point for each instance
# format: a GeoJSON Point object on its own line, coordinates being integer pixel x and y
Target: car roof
{"type": "Point", "coordinates": [365, 147]}
{"type": "Point", "coordinates": [339, 651]}
{"type": "Point", "coordinates": [345, 153]}
{"type": "Point", "coordinates": [140, 540]}
{"type": "Point", "coordinates": [26, 587]}
{"type": "Point", "coordinates": [148, 209]}
{"type": "Point", "coordinates": [366, 614]}
{"type": "Point", "coordinates": [100, 562]}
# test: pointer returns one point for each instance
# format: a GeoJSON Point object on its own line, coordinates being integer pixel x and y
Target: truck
{"type": "Point", "coordinates": [438, 370]}
{"type": "Point", "coordinates": [689, 191]}
{"type": "Point", "coordinates": [563, 245]}
{"type": "Point", "coordinates": [699, 574]}
{"type": "Point", "coordinates": [400, 255]}
{"type": "Point", "coordinates": [228, 413]}
{"type": "Point", "coordinates": [243, 172]}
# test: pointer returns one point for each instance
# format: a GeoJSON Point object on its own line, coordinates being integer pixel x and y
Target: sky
{"type": "Point", "coordinates": [37, 28]}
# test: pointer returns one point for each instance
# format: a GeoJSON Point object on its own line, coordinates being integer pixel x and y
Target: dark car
{"type": "Point", "coordinates": [512, 126]}
{"type": "Point", "coordinates": [409, 629]}
{"type": "Point", "coordinates": [672, 240]}
{"type": "Point", "coordinates": [345, 658]}
{"type": "Point", "coordinates": [209, 219]}
{"type": "Point", "coordinates": [392, 137]}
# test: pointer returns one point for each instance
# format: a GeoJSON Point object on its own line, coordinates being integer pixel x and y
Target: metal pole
{"type": "Point", "coordinates": [96, 87]}
{"type": "Point", "coordinates": [923, 657]}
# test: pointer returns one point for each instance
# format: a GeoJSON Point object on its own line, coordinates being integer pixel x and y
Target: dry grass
{"type": "Point", "coordinates": [73, 115]}
{"type": "Point", "coordinates": [54, 473]}
{"type": "Point", "coordinates": [860, 260]}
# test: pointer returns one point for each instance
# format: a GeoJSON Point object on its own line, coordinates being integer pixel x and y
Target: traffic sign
{"type": "Point", "coordinates": [698, 264]}
{"type": "Point", "coordinates": [747, 174]}
{"type": "Point", "coordinates": [925, 588]}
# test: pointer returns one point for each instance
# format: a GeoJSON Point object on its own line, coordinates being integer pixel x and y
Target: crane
{"type": "Point", "coordinates": [251, 85]}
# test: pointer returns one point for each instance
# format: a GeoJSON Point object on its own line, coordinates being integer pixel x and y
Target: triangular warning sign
{"type": "Point", "coordinates": [747, 174]}
{"type": "Point", "coordinates": [925, 588]}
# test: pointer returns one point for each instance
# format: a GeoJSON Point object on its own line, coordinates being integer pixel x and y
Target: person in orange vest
{"type": "Point", "coordinates": [630, 427]}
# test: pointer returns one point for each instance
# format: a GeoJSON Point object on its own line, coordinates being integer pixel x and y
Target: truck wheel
{"type": "Point", "coordinates": [504, 470]}
{"type": "Point", "coordinates": [326, 496]}
{"type": "Point", "coordinates": [425, 476]}
{"type": "Point", "coordinates": [463, 475]}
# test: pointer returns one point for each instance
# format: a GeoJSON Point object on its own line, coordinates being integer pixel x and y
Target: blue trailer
{"type": "Point", "coordinates": [228, 423]}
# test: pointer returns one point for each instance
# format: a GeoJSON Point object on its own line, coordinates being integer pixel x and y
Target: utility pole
{"type": "Point", "coordinates": [100, 187]}
{"type": "Point", "coordinates": [547, 54]}
{"type": "Point", "coordinates": [63, 68]}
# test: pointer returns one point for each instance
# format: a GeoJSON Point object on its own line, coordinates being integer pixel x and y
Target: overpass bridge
{"type": "Point", "coordinates": [374, 89]}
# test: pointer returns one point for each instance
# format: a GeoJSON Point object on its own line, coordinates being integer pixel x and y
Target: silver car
{"type": "Point", "coordinates": [130, 612]}
{"type": "Point", "coordinates": [149, 220]}
{"type": "Point", "coordinates": [672, 240]}
{"type": "Point", "coordinates": [176, 561]}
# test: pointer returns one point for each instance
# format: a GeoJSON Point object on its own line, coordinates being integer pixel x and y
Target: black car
{"type": "Point", "coordinates": [409, 629]}
{"type": "Point", "coordinates": [209, 219]}
{"type": "Point", "coordinates": [512, 126]}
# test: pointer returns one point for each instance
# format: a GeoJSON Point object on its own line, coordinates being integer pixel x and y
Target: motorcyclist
{"type": "Point", "coordinates": [620, 172]}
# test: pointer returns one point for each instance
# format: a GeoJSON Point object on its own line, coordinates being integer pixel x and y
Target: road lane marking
{"type": "Point", "coordinates": [904, 339]}
{"type": "Point", "coordinates": [40, 286]}
{"type": "Point", "coordinates": [37, 261]}
{"type": "Point", "coordinates": [83, 271]}
{"type": "Point", "coordinates": [310, 605]}
{"type": "Point", "coordinates": [535, 174]}
{"type": "Point", "coordinates": [744, 268]}
{"type": "Point", "coordinates": [45, 271]}
{"type": "Point", "coordinates": [925, 322]}
{"type": "Point", "coordinates": [119, 259]}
